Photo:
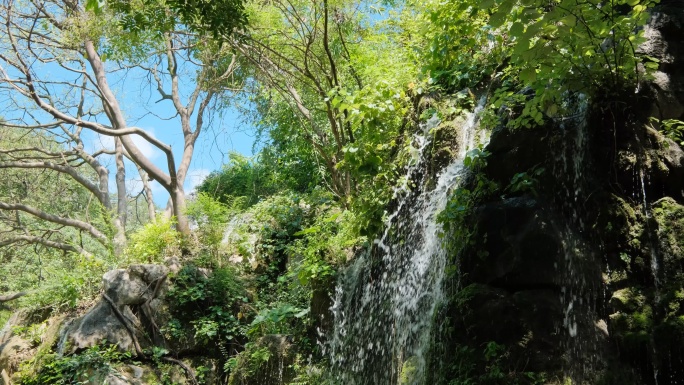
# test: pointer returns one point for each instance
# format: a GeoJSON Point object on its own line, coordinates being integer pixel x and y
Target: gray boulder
{"type": "Point", "coordinates": [135, 292]}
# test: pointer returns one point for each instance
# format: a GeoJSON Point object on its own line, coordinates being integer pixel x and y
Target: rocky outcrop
{"type": "Point", "coordinates": [131, 306]}
{"type": "Point", "coordinates": [27, 335]}
{"type": "Point", "coordinates": [664, 42]}
{"type": "Point", "coordinates": [128, 315]}
{"type": "Point", "coordinates": [573, 270]}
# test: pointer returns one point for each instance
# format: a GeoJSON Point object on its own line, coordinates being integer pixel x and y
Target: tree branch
{"type": "Point", "coordinates": [43, 241]}
{"type": "Point", "coordinates": [102, 196]}
{"type": "Point", "coordinates": [101, 237]}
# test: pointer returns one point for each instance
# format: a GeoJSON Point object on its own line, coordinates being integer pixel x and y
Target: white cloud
{"type": "Point", "coordinates": [194, 178]}
{"type": "Point", "coordinates": [147, 149]}
{"type": "Point", "coordinates": [103, 142]}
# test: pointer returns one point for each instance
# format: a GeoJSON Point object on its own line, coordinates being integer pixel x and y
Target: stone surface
{"type": "Point", "coordinates": [131, 286]}
{"type": "Point", "coordinates": [129, 289]}
{"type": "Point", "coordinates": [98, 325]}
{"type": "Point", "coordinates": [582, 277]}
{"type": "Point", "coordinates": [12, 352]}
{"type": "Point", "coordinates": [664, 42]}
{"type": "Point", "coordinates": [516, 246]}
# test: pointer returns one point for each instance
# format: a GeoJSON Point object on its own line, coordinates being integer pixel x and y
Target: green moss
{"type": "Point", "coordinates": [670, 218]}
{"type": "Point", "coordinates": [632, 321]}
{"type": "Point", "coordinates": [627, 300]}
{"type": "Point", "coordinates": [5, 315]}
{"type": "Point", "coordinates": [408, 371]}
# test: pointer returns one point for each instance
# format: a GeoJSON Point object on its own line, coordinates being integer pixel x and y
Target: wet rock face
{"type": "Point", "coordinates": [583, 277]}
{"type": "Point", "coordinates": [664, 42]}
{"type": "Point", "coordinates": [516, 246]}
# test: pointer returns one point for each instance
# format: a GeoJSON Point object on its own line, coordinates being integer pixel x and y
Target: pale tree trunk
{"type": "Point", "coordinates": [21, 32]}
{"type": "Point", "coordinates": [149, 198]}
{"type": "Point", "coordinates": [168, 181]}
{"type": "Point", "coordinates": [183, 225]}
{"type": "Point", "coordinates": [121, 201]}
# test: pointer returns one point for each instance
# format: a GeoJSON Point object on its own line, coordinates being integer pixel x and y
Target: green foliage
{"type": "Point", "coordinates": [89, 366]}
{"type": "Point", "coordinates": [243, 182]}
{"type": "Point", "coordinates": [461, 203]}
{"type": "Point", "coordinates": [218, 17]}
{"type": "Point", "coordinates": [462, 199]}
{"type": "Point", "coordinates": [71, 280]}
{"type": "Point", "coordinates": [328, 243]}
{"type": "Point", "coordinates": [27, 264]}
{"type": "Point", "coordinates": [523, 182]}
{"type": "Point", "coordinates": [268, 320]}
{"type": "Point", "coordinates": [211, 217]}
{"type": "Point", "coordinates": [463, 49]}
{"type": "Point", "coordinates": [488, 366]}
{"type": "Point", "coordinates": [307, 373]}
{"type": "Point", "coordinates": [207, 306]}
{"type": "Point", "coordinates": [248, 362]}
{"type": "Point", "coordinates": [550, 49]}
{"type": "Point", "coordinates": [152, 242]}
{"type": "Point", "coordinates": [140, 17]}
{"type": "Point", "coordinates": [672, 128]}
{"type": "Point", "coordinates": [31, 333]}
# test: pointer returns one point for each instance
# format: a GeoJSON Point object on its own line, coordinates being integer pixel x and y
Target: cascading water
{"type": "Point", "coordinates": [579, 273]}
{"type": "Point", "coordinates": [385, 301]}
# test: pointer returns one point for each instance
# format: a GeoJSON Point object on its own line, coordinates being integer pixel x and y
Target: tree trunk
{"type": "Point", "coordinates": [151, 210]}
{"type": "Point", "coordinates": [121, 203]}
{"type": "Point", "coordinates": [178, 200]}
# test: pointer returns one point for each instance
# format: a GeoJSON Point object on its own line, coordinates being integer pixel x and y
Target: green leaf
{"type": "Point", "coordinates": [310, 230]}
{"type": "Point", "coordinates": [498, 18]}
{"type": "Point", "coordinates": [517, 29]}
{"type": "Point", "coordinates": [94, 6]}
{"type": "Point", "coordinates": [651, 65]}
{"type": "Point", "coordinates": [528, 75]}
{"type": "Point", "coordinates": [485, 4]}
{"type": "Point", "coordinates": [552, 110]}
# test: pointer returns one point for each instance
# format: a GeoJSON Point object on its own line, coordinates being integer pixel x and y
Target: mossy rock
{"type": "Point", "coordinates": [669, 216]}
{"type": "Point", "coordinates": [627, 300]}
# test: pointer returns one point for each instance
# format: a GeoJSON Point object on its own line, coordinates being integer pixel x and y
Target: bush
{"type": "Point", "coordinates": [90, 366]}
{"type": "Point", "coordinates": [207, 307]}
{"type": "Point", "coordinates": [152, 242]}
{"type": "Point", "coordinates": [211, 217]}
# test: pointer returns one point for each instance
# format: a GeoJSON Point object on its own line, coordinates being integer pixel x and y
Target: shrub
{"type": "Point", "coordinates": [152, 242]}
{"type": "Point", "coordinates": [207, 307]}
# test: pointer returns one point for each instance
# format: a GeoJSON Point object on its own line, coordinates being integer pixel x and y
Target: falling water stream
{"type": "Point", "coordinates": [384, 302]}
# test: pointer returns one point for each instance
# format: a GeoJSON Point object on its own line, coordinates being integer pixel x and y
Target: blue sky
{"type": "Point", "coordinates": [226, 132]}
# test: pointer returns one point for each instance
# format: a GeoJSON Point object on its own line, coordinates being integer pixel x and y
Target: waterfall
{"type": "Point", "coordinates": [384, 302]}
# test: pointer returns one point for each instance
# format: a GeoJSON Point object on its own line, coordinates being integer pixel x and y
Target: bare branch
{"type": "Point", "coordinates": [30, 239]}
{"type": "Point", "coordinates": [90, 229]}
{"type": "Point", "coordinates": [71, 171]}
{"type": "Point", "coordinates": [9, 297]}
